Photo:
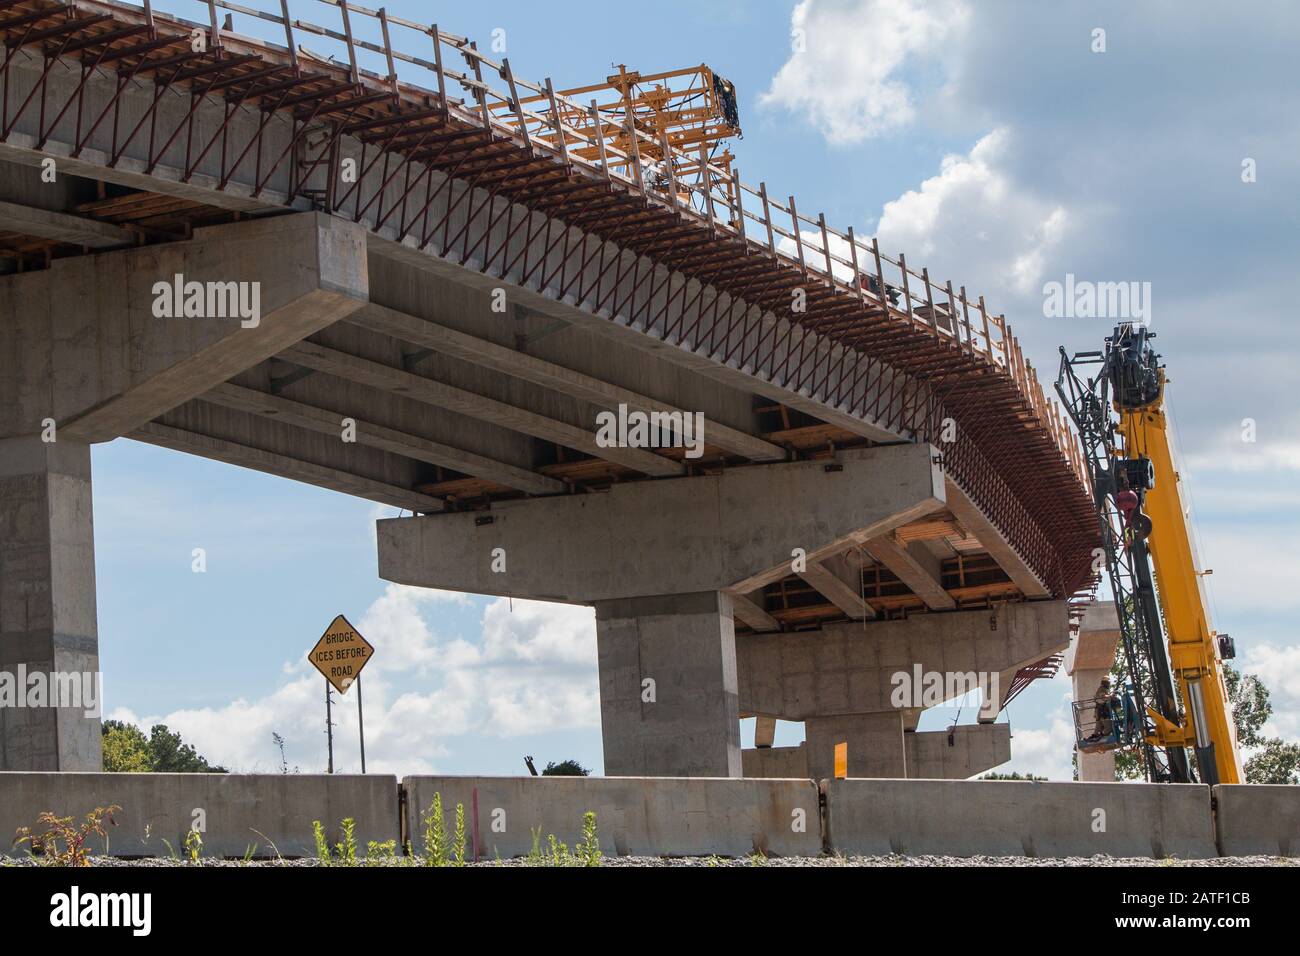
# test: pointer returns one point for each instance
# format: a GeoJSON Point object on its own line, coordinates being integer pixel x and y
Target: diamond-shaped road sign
{"type": "Point", "coordinates": [340, 654]}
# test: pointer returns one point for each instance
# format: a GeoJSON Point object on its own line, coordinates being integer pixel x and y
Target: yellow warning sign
{"type": "Point", "coordinates": [340, 654]}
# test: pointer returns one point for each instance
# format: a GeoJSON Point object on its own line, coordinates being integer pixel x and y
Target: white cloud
{"type": "Point", "coordinates": [531, 670]}
{"type": "Point", "coordinates": [1254, 567]}
{"type": "Point", "coordinates": [846, 71]}
{"type": "Point", "coordinates": [394, 622]}
{"type": "Point", "coordinates": [1226, 450]}
{"type": "Point", "coordinates": [972, 219]}
{"type": "Point", "coordinates": [1279, 668]}
{"type": "Point", "coordinates": [1043, 752]}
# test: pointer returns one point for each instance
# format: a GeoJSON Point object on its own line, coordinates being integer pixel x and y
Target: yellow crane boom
{"type": "Point", "coordinates": [1193, 645]}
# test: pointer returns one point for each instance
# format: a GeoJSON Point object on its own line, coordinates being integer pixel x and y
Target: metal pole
{"type": "Point", "coordinates": [329, 724]}
{"type": "Point", "coordinates": [361, 725]}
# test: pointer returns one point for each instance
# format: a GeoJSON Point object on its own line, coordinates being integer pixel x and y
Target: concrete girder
{"type": "Point", "coordinates": [258, 459]}
{"type": "Point", "coordinates": [730, 532]}
{"type": "Point", "coordinates": [386, 378]}
{"type": "Point", "coordinates": [764, 731]}
{"type": "Point", "coordinates": [93, 356]}
{"type": "Point", "coordinates": [973, 519]}
{"type": "Point", "coordinates": [916, 566]}
{"type": "Point", "coordinates": [63, 227]}
{"type": "Point", "coordinates": [749, 612]}
{"type": "Point", "coordinates": [994, 694]}
{"type": "Point", "coordinates": [840, 584]}
{"type": "Point", "coordinates": [392, 440]}
{"type": "Point", "coordinates": [513, 362]}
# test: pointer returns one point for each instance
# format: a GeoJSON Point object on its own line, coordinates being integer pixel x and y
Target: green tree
{"type": "Point", "coordinates": [1014, 775]}
{"type": "Point", "coordinates": [1276, 761]}
{"type": "Point", "coordinates": [566, 768]}
{"type": "Point", "coordinates": [126, 750]}
{"type": "Point", "coordinates": [173, 755]}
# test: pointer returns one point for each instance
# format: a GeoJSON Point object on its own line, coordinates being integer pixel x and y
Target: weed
{"type": "Point", "coordinates": [274, 849]}
{"type": "Point", "coordinates": [560, 855]}
{"type": "Point", "coordinates": [378, 854]}
{"type": "Point", "coordinates": [458, 841]}
{"type": "Point", "coordinates": [63, 843]}
{"type": "Point", "coordinates": [322, 845]}
{"type": "Point", "coordinates": [435, 834]}
{"type": "Point", "coordinates": [535, 857]}
{"type": "Point", "coordinates": [587, 853]}
{"type": "Point", "coordinates": [194, 845]}
{"type": "Point", "coordinates": [346, 850]}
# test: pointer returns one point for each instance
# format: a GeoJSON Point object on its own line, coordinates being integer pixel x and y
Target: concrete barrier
{"type": "Point", "coordinates": [234, 807]}
{"type": "Point", "coordinates": [665, 816]}
{"type": "Point", "coordinates": [653, 816]}
{"type": "Point", "coordinates": [1018, 818]}
{"type": "Point", "coordinates": [1258, 819]}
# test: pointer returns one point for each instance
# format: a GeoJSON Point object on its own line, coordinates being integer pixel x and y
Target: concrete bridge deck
{"type": "Point", "coordinates": [451, 290]}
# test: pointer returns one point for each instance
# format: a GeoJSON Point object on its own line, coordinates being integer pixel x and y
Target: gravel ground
{"type": "Point", "coordinates": [921, 861]}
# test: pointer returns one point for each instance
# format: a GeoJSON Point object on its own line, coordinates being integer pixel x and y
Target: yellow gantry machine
{"type": "Point", "coordinates": [1176, 699]}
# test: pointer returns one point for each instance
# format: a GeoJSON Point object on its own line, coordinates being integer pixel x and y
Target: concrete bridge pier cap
{"type": "Point", "coordinates": [669, 565]}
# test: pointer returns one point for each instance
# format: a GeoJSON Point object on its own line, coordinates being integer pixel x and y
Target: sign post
{"type": "Point", "coordinates": [361, 726]}
{"type": "Point", "coordinates": [339, 655]}
{"type": "Point", "coordinates": [329, 725]}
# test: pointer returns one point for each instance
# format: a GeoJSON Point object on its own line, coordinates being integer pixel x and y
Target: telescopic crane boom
{"type": "Point", "coordinates": [1173, 657]}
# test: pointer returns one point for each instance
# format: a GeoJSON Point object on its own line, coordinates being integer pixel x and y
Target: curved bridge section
{"type": "Point", "coordinates": [467, 270]}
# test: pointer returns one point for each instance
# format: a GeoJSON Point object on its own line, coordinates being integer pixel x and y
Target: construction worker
{"type": "Point", "coordinates": [1104, 709]}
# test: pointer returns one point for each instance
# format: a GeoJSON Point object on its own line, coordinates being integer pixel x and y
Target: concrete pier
{"type": "Point", "coordinates": [668, 702]}
{"type": "Point", "coordinates": [47, 601]}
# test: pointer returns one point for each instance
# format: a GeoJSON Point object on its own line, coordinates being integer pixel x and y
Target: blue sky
{"type": "Point", "coordinates": [988, 141]}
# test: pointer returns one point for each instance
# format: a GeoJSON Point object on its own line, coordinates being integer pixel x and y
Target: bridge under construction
{"type": "Point", "coordinates": [337, 246]}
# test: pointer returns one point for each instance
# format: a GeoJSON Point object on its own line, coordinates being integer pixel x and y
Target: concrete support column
{"type": "Point", "coordinates": [1097, 767]}
{"type": "Point", "coordinates": [1089, 659]}
{"type": "Point", "coordinates": [668, 700]}
{"type": "Point", "coordinates": [47, 604]}
{"type": "Point", "coordinates": [876, 745]}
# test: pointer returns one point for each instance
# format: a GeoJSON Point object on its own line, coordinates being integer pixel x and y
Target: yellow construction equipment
{"type": "Point", "coordinates": [1177, 697]}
